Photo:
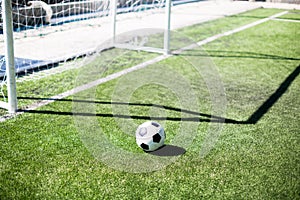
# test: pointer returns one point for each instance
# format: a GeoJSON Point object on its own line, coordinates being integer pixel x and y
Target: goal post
{"type": "Point", "coordinates": [113, 13]}
{"type": "Point", "coordinates": [23, 21]}
{"type": "Point", "coordinates": [167, 33]}
{"type": "Point", "coordinates": [11, 105]}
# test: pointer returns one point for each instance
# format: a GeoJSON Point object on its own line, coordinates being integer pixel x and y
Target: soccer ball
{"type": "Point", "coordinates": [150, 136]}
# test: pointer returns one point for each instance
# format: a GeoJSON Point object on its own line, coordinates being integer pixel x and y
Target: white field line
{"type": "Point", "coordinates": [287, 20]}
{"type": "Point", "coordinates": [137, 67]}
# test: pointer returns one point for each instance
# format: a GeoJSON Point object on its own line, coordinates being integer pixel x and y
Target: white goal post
{"type": "Point", "coordinates": [11, 105]}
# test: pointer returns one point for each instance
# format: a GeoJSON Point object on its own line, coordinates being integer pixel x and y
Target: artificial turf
{"type": "Point", "coordinates": [256, 155]}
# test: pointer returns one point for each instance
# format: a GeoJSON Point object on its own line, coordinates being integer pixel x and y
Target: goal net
{"type": "Point", "coordinates": [55, 34]}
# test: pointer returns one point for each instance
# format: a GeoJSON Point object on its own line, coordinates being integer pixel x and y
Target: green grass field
{"type": "Point", "coordinates": [256, 155]}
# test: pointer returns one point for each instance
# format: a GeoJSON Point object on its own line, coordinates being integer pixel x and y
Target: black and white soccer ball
{"type": "Point", "coordinates": [150, 136]}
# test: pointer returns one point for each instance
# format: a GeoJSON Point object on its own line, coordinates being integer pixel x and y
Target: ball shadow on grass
{"type": "Point", "coordinates": [168, 150]}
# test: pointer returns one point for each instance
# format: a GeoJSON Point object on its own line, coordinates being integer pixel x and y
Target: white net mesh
{"type": "Point", "coordinates": [51, 33]}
